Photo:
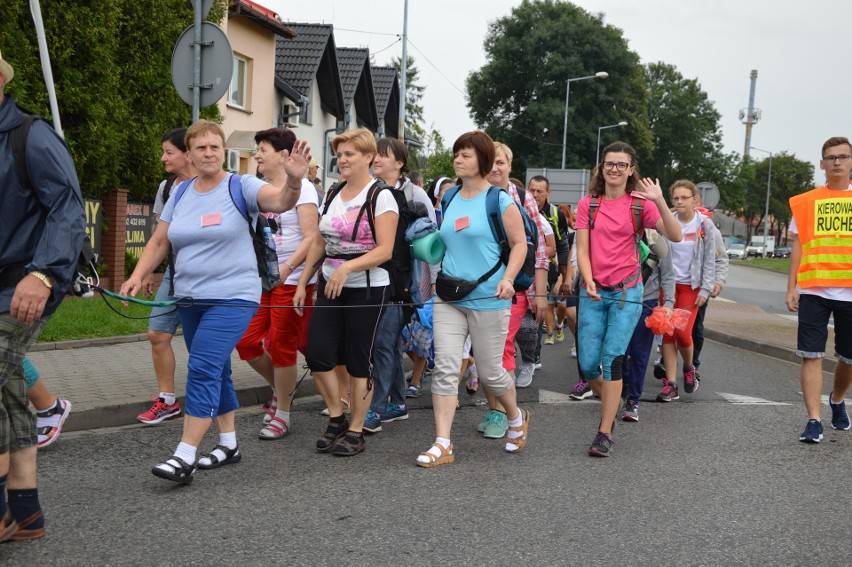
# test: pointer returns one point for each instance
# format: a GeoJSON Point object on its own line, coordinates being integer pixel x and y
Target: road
{"type": "Point", "coordinates": [717, 478]}
{"type": "Point", "coordinates": [756, 286]}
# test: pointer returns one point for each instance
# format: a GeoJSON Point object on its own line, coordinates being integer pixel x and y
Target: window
{"type": "Point", "coordinates": [239, 83]}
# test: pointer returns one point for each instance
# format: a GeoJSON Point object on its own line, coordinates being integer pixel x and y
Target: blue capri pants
{"type": "Point", "coordinates": [211, 333]}
{"type": "Point", "coordinates": [604, 330]}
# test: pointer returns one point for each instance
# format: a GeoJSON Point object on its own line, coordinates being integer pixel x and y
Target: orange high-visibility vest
{"type": "Point", "coordinates": [824, 222]}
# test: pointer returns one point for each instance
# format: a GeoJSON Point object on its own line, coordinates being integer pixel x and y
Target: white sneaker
{"type": "Point", "coordinates": [525, 375]}
{"type": "Point", "coordinates": [574, 351]}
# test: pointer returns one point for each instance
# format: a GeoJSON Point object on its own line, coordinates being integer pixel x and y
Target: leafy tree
{"type": "Point", "coordinates": [438, 159]}
{"type": "Point", "coordinates": [518, 96]}
{"type": "Point", "coordinates": [685, 128]}
{"type": "Point", "coordinates": [111, 65]}
{"type": "Point", "coordinates": [790, 176]}
{"type": "Point", "coordinates": [413, 98]}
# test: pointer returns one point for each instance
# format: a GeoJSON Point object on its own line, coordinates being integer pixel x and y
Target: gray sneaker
{"type": "Point", "coordinates": [525, 375]}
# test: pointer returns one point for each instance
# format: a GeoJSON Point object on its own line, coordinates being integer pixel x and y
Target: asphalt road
{"type": "Point", "coordinates": [708, 480]}
{"type": "Point", "coordinates": [755, 286]}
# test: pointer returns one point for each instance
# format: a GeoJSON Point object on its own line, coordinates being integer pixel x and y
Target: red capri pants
{"type": "Point", "coordinates": [685, 298]}
{"type": "Point", "coordinates": [280, 332]}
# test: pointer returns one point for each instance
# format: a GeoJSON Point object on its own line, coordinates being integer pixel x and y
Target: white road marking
{"type": "Point", "coordinates": [749, 400]}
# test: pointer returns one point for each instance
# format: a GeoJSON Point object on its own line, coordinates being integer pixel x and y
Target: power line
{"type": "Point", "coordinates": [369, 32]}
{"type": "Point", "coordinates": [386, 48]}
{"type": "Point", "coordinates": [434, 67]}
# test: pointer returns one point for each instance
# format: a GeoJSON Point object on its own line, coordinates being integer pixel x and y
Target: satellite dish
{"type": "Point", "coordinates": [709, 194]}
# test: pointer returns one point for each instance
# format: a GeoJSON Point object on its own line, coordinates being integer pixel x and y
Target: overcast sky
{"type": "Point", "coordinates": [800, 49]}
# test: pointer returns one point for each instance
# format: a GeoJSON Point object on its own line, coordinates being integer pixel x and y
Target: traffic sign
{"type": "Point", "coordinates": [205, 7]}
{"type": "Point", "coordinates": [709, 194]}
{"type": "Point", "coordinates": [217, 64]}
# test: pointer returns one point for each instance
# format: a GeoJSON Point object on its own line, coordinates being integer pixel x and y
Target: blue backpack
{"type": "Point", "coordinates": [255, 230]}
{"type": "Point", "coordinates": [526, 276]}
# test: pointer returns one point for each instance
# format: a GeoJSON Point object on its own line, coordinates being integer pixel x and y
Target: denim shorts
{"type": "Point", "coordinates": [164, 319]}
{"type": "Point", "coordinates": [814, 314]}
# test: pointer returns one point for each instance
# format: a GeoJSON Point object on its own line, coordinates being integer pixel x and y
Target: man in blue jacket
{"type": "Point", "coordinates": [42, 226]}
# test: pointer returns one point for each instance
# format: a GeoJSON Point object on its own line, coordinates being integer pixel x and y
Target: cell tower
{"type": "Point", "coordinates": [751, 115]}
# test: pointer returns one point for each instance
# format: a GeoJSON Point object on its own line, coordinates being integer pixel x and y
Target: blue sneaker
{"type": "Point", "coordinates": [839, 415]}
{"type": "Point", "coordinates": [394, 412]}
{"type": "Point", "coordinates": [812, 432]}
{"type": "Point", "coordinates": [373, 423]}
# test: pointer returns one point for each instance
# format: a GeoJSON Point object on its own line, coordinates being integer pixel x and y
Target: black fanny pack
{"type": "Point", "coordinates": [449, 288]}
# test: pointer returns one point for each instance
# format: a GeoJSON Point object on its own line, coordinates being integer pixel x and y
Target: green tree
{"type": "Point", "coordinates": [790, 176]}
{"type": "Point", "coordinates": [685, 128]}
{"type": "Point", "coordinates": [438, 160]}
{"type": "Point", "coordinates": [518, 96]}
{"type": "Point", "coordinates": [111, 67]}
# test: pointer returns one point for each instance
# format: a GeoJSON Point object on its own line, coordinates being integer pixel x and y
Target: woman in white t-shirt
{"type": "Point", "coordinates": [352, 289]}
{"type": "Point", "coordinates": [694, 263]}
{"type": "Point", "coordinates": [275, 335]}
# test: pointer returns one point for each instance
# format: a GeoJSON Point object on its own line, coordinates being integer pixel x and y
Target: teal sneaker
{"type": "Point", "coordinates": [394, 412]}
{"type": "Point", "coordinates": [495, 425]}
{"type": "Point", "coordinates": [373, 423]}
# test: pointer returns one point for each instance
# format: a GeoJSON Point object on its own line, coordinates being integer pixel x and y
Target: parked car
{"type": "Point", "coordinates": [782, 253]}
{"type": "Point", "coordinates": [737, 251]}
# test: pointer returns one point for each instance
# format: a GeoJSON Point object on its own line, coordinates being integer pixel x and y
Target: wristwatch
{"type": "Point", "coordinates": [45, 279]}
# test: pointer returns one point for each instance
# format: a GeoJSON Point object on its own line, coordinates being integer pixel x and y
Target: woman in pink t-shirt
{"type": "Point", "coordinates": [609, 263]}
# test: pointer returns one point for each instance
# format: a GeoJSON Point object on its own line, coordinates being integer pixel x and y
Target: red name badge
{"type": "Point", "coordinates": [211, 220]}
{"type": "Point", "coordinates": [462, 223]}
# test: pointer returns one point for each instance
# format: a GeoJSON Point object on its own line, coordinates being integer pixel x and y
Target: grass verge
{"type": "Point", "coordinates": [78, 318]}
{"type": "Point", "coordinates": [774, 264]}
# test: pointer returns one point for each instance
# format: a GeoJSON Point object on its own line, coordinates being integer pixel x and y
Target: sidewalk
{"type": "Point", "coordinates": [109, 381]}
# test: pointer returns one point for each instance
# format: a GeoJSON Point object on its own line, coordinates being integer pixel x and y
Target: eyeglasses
{"type": "Point", "coordinates": [678, 199]}
{"type": "Point", "coordinates": [619, 165]}
{"type": "Point", "coordinates": [842, 158]}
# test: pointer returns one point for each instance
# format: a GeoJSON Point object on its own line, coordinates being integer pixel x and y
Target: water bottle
{"type": "Point", "coordinates": [274, 276]}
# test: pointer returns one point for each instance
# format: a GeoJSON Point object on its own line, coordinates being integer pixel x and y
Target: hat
{"type": "Point", "coordinates": [6, 70]}
{"type": "Point", "coordinates": [313, 163]}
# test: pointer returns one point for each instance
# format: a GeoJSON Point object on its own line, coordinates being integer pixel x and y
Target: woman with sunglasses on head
{"type": "Point", "coordinates": [694, 263]}
{"type": "Point", "coordinates": [608, 258]}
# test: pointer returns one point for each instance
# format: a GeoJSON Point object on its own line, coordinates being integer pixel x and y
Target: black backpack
{"type": "Point", "coordinates": [87, 275]}
{"type": "Point", "coordinates": [399, 266]}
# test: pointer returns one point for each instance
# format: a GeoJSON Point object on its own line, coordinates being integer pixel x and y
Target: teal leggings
{"type": "Point", "coordinates": [604, 330]}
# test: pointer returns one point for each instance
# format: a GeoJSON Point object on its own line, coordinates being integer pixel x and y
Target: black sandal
{"type": "Point", "coordinates": [350, 444]}
{"type": "Point", "coordinates": [232, 456]}
{"type": "Point", "coordinates": [332, 435]}
{"type": "Point", "coordinates": [180, 471]}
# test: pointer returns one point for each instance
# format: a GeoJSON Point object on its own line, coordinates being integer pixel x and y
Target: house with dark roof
{"type": "Point", "coordinates": [359, 97]}
{"type": "Point", "coordinates": [250, 104]}
{"type": "Point", "coordinates": [386, 87]}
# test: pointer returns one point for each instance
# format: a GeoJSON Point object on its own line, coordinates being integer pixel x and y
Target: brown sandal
{"type": "Point", "coordinates": [25, 532]}
{"type": "Point", "coordinates": [445, 458]}
{"type": "Point", "coordinates": [8, 526]}
{"type": "Point", "coordinates": [519, 442]}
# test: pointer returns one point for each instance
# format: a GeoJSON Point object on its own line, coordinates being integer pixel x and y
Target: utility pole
{"type": "Point", "coordinates": [751, 115]}
{"type": "Point", "coordinates": [403, 67]}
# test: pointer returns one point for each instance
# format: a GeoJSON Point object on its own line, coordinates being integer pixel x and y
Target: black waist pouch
{"type": "Point", "coordinates": [449, 288]}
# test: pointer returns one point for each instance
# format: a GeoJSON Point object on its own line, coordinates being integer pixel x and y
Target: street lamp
{"type": "Point", "coordinates": [766, 212]}
{"type": "Point", "coordinates": [621, 124]}
{"type": "Point", "coordinates": [598, 75]}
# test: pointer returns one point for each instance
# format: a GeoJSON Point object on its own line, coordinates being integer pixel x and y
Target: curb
{"type": "Point", "coordinates": [774, 351]}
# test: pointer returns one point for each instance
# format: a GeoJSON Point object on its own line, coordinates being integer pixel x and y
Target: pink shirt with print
{"type": "Point", "coordinates": [612, 244]}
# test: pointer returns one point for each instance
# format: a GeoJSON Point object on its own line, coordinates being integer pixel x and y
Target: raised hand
{"type": "Point", "coordinates": [651, 189]}
{"type": "Point", "coordinates": [296, 162]}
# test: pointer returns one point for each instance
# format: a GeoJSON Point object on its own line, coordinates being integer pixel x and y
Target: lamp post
{"type": "Point", "coordinates": [621, 124]}
{"type": "Point", "coordinates": [766, 211]}
{"type": "Point", "coordinates": [598, 75]}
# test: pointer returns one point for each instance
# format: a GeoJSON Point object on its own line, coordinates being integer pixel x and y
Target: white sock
{"type": "Point", "coordinates": [444, 442]}
{"type": "Point", "coordinates": [473, 371]}
{"type": "Point", "coordinates": [284, 416]}
{"type": "Point", "coordinates": [559, 326]}
{"type": "Point", "coordinates": [186, 452]}
{"type": "Point", "coordinates": [169, 398]}
{"type": "Point", "coordinates": [228, 439]}
{"type": "Point", "coordinates": [517, 422]}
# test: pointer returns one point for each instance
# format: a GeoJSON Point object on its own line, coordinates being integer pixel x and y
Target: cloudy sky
{"type": "Point", "coordinates": [800, 49]}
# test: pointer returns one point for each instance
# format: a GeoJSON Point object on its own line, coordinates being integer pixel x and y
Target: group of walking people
{"type": "Point", "coordinates": [336, 300]}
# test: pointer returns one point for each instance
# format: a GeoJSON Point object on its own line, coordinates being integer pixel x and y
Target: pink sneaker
{"type": "Point", "coordinates": [159, 412]}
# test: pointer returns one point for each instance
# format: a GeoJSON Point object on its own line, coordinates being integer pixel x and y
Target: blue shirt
{"type": "Point", "coordinates": [473, 251]}
{"type": "Point", "coordinates": [214, 255]}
